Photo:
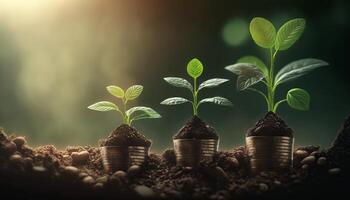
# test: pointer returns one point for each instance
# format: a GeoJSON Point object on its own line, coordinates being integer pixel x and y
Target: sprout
{"type": "Point", "coordinates": [195, 70]}
{"type": "Point", "coordinates": [252, 70]}
{"type": "Point", "coordinates": [128, 115]}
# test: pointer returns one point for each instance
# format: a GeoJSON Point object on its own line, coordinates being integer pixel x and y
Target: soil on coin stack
{"type": "Point", "coordinates": [270, 125]}
{"type": "Point", "coordinates": [195, 128]}
{"type": "Point", "coordinates": [48, 173]}
{"type": "Point", "coordinates": [125, 135]}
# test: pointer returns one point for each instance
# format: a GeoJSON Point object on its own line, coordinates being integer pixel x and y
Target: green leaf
{"type": "Point", "coordinates": [212, 83]}
{"type": "Point", "coordinates": [103, 106]}
{"type": "Point", "coordinates": [116, 91]}
{"type": "Point", "coordinates": [142, 112]}
{"type": "Point", "coordinates": [174, 101]}
{"type": "Point", "coordinates": [248, 74]}
{"type": "Point", "coordinates": [255, 61]}
{"type": "Point", "coordinates": [289, 33]}
{"type": "Point", "coordinates": [298, 99]}
{"type": "Point", "coordinates": [133, 92]}
{"type": "Point", "coordinates": [194, 68]}
{"type": "Point", "coordinates": [298, 68]}
{"type": "Point", "coordinates": [217, 100]}
{"type": "Point", "coordinates": [263, 32]}
{"type": "Point", "coordinates": [179, 82]}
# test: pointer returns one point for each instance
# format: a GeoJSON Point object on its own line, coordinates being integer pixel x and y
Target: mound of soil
{"type": "Point", "coordinates": [195, 128]}
{"type": "Point", "coordinates": [125, 135]}
{"type": "Point", "coordinates": [340, 149]}
{"type": "Point", "coordinates": [270, 125]}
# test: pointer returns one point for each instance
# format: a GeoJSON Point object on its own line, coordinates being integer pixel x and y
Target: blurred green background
{"type": "Point", "coordinates": [56, 57]}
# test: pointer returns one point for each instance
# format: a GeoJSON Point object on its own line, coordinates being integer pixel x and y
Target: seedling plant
{"type": "Point", "coordinates": [128, 115]}
{"type": "Point", "coordinates": [195, 70]}
{"type": "Point", "coordinates": [251, 70]}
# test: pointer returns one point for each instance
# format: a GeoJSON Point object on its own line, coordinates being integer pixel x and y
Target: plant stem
{"type": "Point", "coordinates": [195, 97]}
{"type": "Point", "coordinates": [270, 86]}
{"type": "Point", "coordinates": [125, 117]}
{"type": "Point", "coordinates": [277, 104]}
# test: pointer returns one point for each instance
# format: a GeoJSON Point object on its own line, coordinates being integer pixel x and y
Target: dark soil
{"type": "Point", "coordinates": [48, 173]}
{"type": "Point", "coordinates": [340, 149]}
{"type": "Point", "coordinates": [125, 135]}
{"type": "Point", "coordinates": [195, 128]}
{"type": "Point", "coordinates": [270, 125]}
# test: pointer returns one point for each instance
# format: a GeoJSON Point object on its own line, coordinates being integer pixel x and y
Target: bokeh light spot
{"type": "Point", "coordinates": [235, 32]}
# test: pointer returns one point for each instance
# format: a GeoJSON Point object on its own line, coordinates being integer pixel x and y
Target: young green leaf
{"type": "Point", "coordinates": [248, 74]}
{"type": "Point", "coordinates": [103, 106]}
{"type": "Point", "coordinates": [133, 92]}
{"type": "Point", "coordinates": [212, 83]}
{"type": "Point", "coordinates": [116, 91]}
{"type": "Point", "coordinates": [216, 100]}
{"type": "Point", "coordinates": [179, 82]}
{"type": "Point", "coordinates": [298, 99]}
{"type": "Point", "coordinates": [141, 112]}
{"type": "Point", "coordinates": [174, 101]}
{"type": "Point", "coordinates": [289, 33]}
{"type": "Point", "coordinates": [194, 68]}
{"type": "Point", "coordinates": [298, 68]}
{"type": "Point", "coordinates": [255, 61]}
{"type": "Point", "coordinates": [263, 32]}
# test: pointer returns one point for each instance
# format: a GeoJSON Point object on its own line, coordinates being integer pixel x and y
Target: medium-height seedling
{"type": "Point", "coordinates": [252, 70]}
{"type": "Point", "coordinates": [128, 115]}
{"type": "Point", "coordinates": [195, 70]}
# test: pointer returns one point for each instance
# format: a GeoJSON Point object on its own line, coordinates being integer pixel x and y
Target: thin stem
{"type": "Point", "coordinates": [271, 82]}
{"type": "Point", "coordinates": [195, 97]}
{"type": "Point", "coordinates": [277, 104]}
{"type": "Point", "coordinates": [261, 93]}
{"type": "Point", "coordinates": [125, 117]}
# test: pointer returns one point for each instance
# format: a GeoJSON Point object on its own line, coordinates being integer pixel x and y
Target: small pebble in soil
{"type": "Point", "coordinates": [83, 175]}
{"type": "Point", "coordinates": [232, 162]}
{"type": "Point", "coordinates": [10, 148]}
{"type": "Point", "coordinates": [334, 171]}
{"type": "Point", "coordinates": [39, 169]}
{"type": "Point", "coordinates": [134, 170]}
{"type": "Point", "coordinates": [80, 157]}
{"type": "Point", "coordinates": [120, 174]}
{"type": "Point", "coordinates": [71, 171]}
{"type": "Point", "coordinates": [144, 191]}
{"type": "Point", "coordinates": [305, 167]}
{"type": "Point", "coordinates": [322, 161]}
{"type": "Point", "coordinates": [15, 158]}
{"type": "Point", "coordinates": [98, 186]}
{"type": "Point", "coordinates": [301, 153]}
{"type": "Point", "coordinates": [314, 153]}
{"type": "Point", "coordinates": [263, 187]}
{"type": "Point", "coordinates": [19, 141]}
{"type": "Point", "coordinates": [221, 175]}
{"type": "Point", "coordinates": [308, 160]}
{"type": "Point", "coordinates": [88, 180]}
{"type": "Point", "coordinates": [102, 179]}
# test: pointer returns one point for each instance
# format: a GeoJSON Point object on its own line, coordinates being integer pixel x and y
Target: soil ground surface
{"type": "Point", "coordinates": [77, 173]}
{"type": "Point", "coordinates": [195, 128]}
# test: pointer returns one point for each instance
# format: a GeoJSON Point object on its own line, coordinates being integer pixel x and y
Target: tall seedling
{"type": "Point", "coordinates": [252, 70]}
{"type": "Point", "coordinates": [195, 70]}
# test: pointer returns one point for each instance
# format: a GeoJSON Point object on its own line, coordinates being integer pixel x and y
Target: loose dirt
{"type": "Point", "coordinates": [270, 125]}
{"type": "Point", "coordinates": [48, 173]}
{"type": "Point", "coordinates": [195, 128]}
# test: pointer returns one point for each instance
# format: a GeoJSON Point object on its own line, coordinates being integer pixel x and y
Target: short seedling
{"type": "Point", "coordinates": [130, 115]}
{"type": "Point", "coordinates": [252, 70]}
{"type": "Point", "coordinates": [195, 70]}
